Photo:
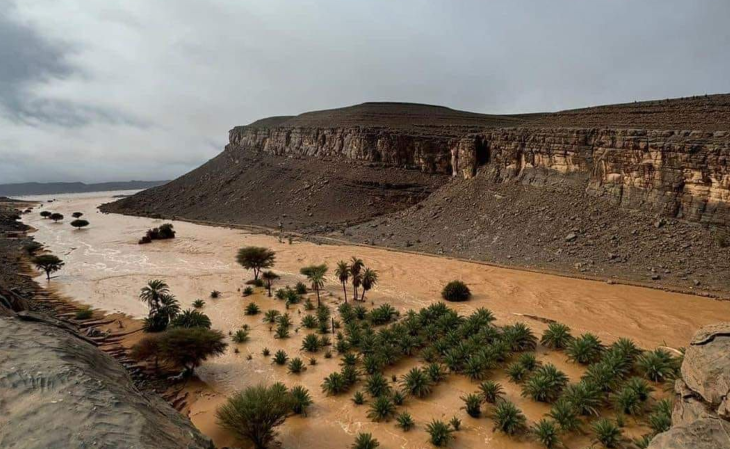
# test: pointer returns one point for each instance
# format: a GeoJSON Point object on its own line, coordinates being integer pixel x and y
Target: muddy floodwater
{"type": "Point", "coordinates": [105, 268]}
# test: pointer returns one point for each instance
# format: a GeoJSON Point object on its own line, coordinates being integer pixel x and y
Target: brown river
{"type": "Point", "coordinates": [105, 268]}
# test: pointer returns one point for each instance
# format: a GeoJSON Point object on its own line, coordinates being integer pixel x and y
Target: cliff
{"type": "Point", "coordinates": [675, 173]}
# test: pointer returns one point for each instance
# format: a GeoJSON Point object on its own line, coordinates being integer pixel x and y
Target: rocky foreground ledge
{"type": "Point", "coordinates": [701, 415]}
{"type": "Point", "coordinates": [60, 391]}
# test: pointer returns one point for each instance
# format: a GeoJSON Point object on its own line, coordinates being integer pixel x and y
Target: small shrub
{"type": "Point", "coordinates": [417, 383]}
{"type": "Point", "coordinates": [519, 337]}
{"type": "Point", "coordinates": [248, 291]}
{"type": "Point", "coordinates": [280, 357]}
{"type": "Point", "coordinates": [585, 349]}
{"type": "Point", "coordinates": [456, 291]}
{"type": "Point", "coordinates": [300, 288]}
{"type": "Point", "coordinates": [252, 309]}
{"type": "Point", "coordinates": [472, 405]}
{"type": "Point", "coordinates": [358, 398]}
{"type": "Point", "coordinates": [546, 433]}
{"type": "Point", "coordinates": [215, 294]}
{"type": "Point", "coordinates": [399, 398]}
{"type": "Point", "coordinates": [266, 352]}
{"type": "Point", "coordinates": [565, 415]}
{"type": "Point", "coordinates": [349, 360]}
{"type": "Point", "coordinates": [435, 372]}
{"type": "Point", "coordinates": [365, 441]}
{"type": "Point", "coordinates": [627, 401]}
{"type": "Point", "coordinates": [660, 418]}
{"type": "Point", "coordinates": [309, 321]}
{"type": "Point", "coordinates": [377, 385]}
{"type": "Point", "coordinates": [557, 336]}
{"type": "Point", "coordinates": [296, 365]}
{"type": "Point", "coordinates": [270, 316]}
{"type": "Point", "coordinates": [585, 397]}
{"type": "Point", "coordinates": [405, 421]}
{"type": "Point", "coordinates": [455, 423]}
{"type": "Point", "coordinates": [334, 384]}
{"type": "Point", "coordinates": [657, 365]}
{"type": "Point", "coordinates": [281, 332]}
{"type": "Point", "coordinates": [382, 409]}
{"type": "Point", "coordinates": [440, 433]}
{"type": "Point", "coordinates": [311, 343]}
{"type": "Point", "coordinates": [491, 391]}
{"type": "Point", "coordinates": [240, 336]}
{"type": "Point", "coordinates": [607, 433]}
{"type": "Point", "coordinates": [198, 303]}
{"type": "Point", "coordinates": [300, 400]}
{"type": "Point", "coordinates": [508, 418]}
{"type": "Point", "coordinates": [84, 313]}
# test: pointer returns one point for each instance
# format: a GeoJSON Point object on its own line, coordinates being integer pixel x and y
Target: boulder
{"type": "Point", "coordinates": [706, 366]}
{"type": "Point", "coordinates": [708, 433]}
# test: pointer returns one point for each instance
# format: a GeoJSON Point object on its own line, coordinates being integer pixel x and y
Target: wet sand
{"type": "Point", "coordinates": [105, 268]}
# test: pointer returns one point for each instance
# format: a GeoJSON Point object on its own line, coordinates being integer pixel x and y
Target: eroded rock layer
{"type": "Point", "coordinates": [651, 166]}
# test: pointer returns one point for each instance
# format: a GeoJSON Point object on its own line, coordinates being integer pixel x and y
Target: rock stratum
{"type": "Point", "coordinates": [638, 191]}
{"type": "Point", "coordinates": [666, 157]}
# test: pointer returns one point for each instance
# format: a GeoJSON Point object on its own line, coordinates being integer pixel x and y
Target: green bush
{"type": "Point", "coordinates": [240, 336]}
{"type": "Point", "coordinates": [280, 357]}
{"type": "Point", "coordinates": [252, 309]}
{"type": "Point", "coordinates": [296, 365]}
{"type": "Point", "coordinates": [546, 433]}
{"type": "Point", "coordinates": [365, 441]}
{"type": "Point", "coordinates": [508, 418]}
{"type": "Point", "coordinates": [491, 391]}
{"type": "Point", "coordinates": [198, 303]}
{"type": "Point", "coordinates": [311, 343]}
{"type": "Point", "coordinates": [456, 291]}
{"type": "Point", "coordinates": [557, 336]}
{"type": "Point", "coordinates": [440, 433]}
{"type": "Point", "coordinates": [472, 405]}
{"type": "Point", "coordinates": [191, 318]}
{"type": "Point", "coordinates": [252, 414]}
{"type": "Point", "coordinates": [84, 313]}
{"type": "Point", "coordinates": [416, 383]}
{"type": "Point", "coordinates": [381, 409]}
{"type": "Point", "coordinates": [607, 433]}
{"type": "Point", "coordinates": [585, 349]}
{"type": "Point", "coordinates": [405, 421]}
{"type": "Point", "coordinates": [300, 400]}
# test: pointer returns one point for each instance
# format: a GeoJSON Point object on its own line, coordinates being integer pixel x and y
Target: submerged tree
{"type": "Point", "coordinates": [369, 279]}
{"type": "Point", "coordinates": [269, 277]}
{"type": "Point", "coordinates": [356, 266]}
{"type": "Point", "coordinates": [77, 214]}
{"type": "Point", "coordinates": [56, 217]}
{"type": "Point", "coordinates": [78, 223]}
{"type": "Point", "coordinates": [48, 263]}
{"type": "Point", "coordinates": [315, 275]}
{"type": "Point", "coordinates": [45, 213]}
{"type": "Point", "coordinates": [256, 258]}
{"type": "Point", "coordinates": [343, 274]}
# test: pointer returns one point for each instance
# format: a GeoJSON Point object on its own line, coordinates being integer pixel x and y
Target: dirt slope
{"type": "Point", "coordinates": [304, 194]}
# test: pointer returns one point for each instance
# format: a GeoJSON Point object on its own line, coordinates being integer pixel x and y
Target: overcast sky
{"type": "Point", "coordinates": [148, 89]}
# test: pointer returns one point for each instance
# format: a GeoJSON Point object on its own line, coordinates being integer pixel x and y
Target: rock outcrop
{"type": "Point", "coordinates": [59, 391]}
{"type": "Point", "coordinates": [700, 419]}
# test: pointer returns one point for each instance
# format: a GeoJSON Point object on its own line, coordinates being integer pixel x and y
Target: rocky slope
{"type": "Point", "coordinates": [305, 194]}
{"type": "Point", "coordinates": [701, 415]}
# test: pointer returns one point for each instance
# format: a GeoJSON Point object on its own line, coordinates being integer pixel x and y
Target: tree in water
{"type": "Point", "coordinates": [343, 274]}
{"type": "Point", "coordinates": [48, 263]}
{"type": "Point", "coordinates": [369, 279]}
{"type": "Point", "coordinates": [269, 277]}
{"type": "Point", "coordinates": [356, 266]}
{"type": "Point", "coordinates": [255, 258]}
{"type": "Point", "coordinates": [315, 275]}
{"type": "Point", "coordinates": [78, 223]}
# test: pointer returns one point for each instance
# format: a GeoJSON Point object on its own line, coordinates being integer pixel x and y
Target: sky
{"type": "Point", "coordinates": [99, 91]}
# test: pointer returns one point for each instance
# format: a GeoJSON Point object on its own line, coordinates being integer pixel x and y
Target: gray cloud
{"type": "Point", "coordinates": [98, 90]}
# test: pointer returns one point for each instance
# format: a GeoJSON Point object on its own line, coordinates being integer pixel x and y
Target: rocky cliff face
{"type": "Point", "coordinates": [682, 174]}
{"type": "Point", "coordinates": [702, 406]}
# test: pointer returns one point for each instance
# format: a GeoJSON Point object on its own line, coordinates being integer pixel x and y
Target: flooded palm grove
{"type": "Point", "coordinates": [105, 268]}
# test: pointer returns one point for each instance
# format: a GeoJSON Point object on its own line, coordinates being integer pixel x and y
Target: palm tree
{"type": "Point", "coordinates": [153, 292]}
{"type": "Point", "coordinates": [269, 277]}
{"type": "Point", "coordinates": [369, 279]}
{"type": "Point", "coordinates": [315, 275]}
{"type": "Point", "coordinates": [343, 274]}
{"type": "Point", "coordinates": [356, 266]}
